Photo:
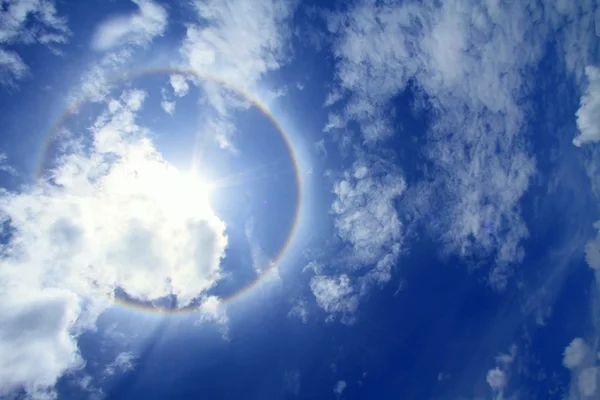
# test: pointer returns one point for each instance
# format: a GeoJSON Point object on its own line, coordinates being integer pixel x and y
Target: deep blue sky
{"type": "Point", "coordinates": [299, 200]}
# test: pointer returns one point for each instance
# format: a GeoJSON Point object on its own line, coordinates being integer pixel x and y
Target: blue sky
{"type": "Point", "coordinates": [286, 199]}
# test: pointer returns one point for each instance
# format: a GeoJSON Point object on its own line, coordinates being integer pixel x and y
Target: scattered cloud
{"type": "Point", "coordinates": [123, 362]}
{"type": "Point", "coordinates": [64, 258]}
{"type": "Point", "coordinates": [5, 166]}
{"type": "Point", "coordinates": [498, 377]}
{"type": "Point", "coordinates": [577, 354]}
{"type": "Point", "coordinates": [366, 217]}
{"type": "Point", "coordinates": [467, 62]}
{"type": "Point", "coordinates": [336, 295]}
{"type": "Point", "coordinates": [588, 115]}
{"type": "Point", "coordinates": [24, 22]}
{"type": "Point", "coordinates": [588, 382]}
{"type": "Point", "coordinates": [136, 29]}
{"type": "Point", "coordinates": [168, 106]}
{"type": "Point", "coordinates": [213, 310]}
{"type": "Point", "coordinates": [238, 42]}
{"type": "Point", "coordinates": [339, 387]}
{"type": "Point", "coordinates": [179, 85]}
{"type": "Point", "coordinates": [300, 310]}
{"type": "Point", "coordinates": [580, 358]}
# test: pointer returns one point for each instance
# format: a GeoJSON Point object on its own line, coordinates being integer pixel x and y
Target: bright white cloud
{"type": "Point", "coordinates": [37, 344]}
{"type": "Point", "coordinates": [588, 115]}
{"type": "Point", "coordinates": [239, 42]}
{"type": "Point", "coordinates": [577, 354]}
{"type": "Point", "coordinates": [114, 215]}
{"type": "Point", "coordinates": [137, 29]}
{"type": "Point", "coordinates": [27, 22]}
{"type": "Point", "coordinates": [467, 62]}
{"type": "Point", "coordinates": [336, 295]}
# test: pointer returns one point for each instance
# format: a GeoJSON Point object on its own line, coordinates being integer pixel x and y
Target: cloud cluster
{"type": "Point", "coordinates": [336, 296]}
{"type": "Point", "coordinates": [24, 22]}
{"type": "Point", "coordinates": [468, 63]}
{"type": "Point", "coordinates": [138, 29]}
{"type": "Point", "coordinates": [238, 42]}
{"type": "Point", "coordinates": [367, 221]}
{"type": "Point", "coordinates": [112, 214]}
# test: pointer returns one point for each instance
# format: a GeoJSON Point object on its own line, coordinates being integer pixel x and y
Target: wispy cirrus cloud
{"type": "Point", "coordinates": [139, 28]}
{"type": "Point", "coordinates": [24, 22]}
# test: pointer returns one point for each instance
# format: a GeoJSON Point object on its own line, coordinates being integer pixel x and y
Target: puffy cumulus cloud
{"type": "Point", "coordinates": [336, 295]}
{"type": "Point", "coordinates": [239, 42]}
{"type": "Point", "coordinates": [179, 85]}
{"type": "Point", "coordinates": [36, 344]}
{"type": "Point", "coordinates": [112, 214]}
{"type": "Point", "coordinates": [468, 63]}
{"type": "Point", "coordinates": [366, 220]}
{"type": "Point", "coordinates": [168, 106]}
{"type": "Point", "coordinates": [588, 115]}
{"type": "Point", "coordinates": [27, 22]}
{"type": "Point", "coordinates": [138, 29]}
{"type": "Point", "coordinates": [366, 217]}
{"type": "Point", "coordinates": [577, 354]}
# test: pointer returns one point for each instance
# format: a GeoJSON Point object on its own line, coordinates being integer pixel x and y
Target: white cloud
{"type": "Point", "coordinates": [37, 344]}
{"type": "Point", "coordinates": [4, 166]}
{"type": "Point", "coordinates": [123, 362]}
{"type": "Point", "coordinates": [588, 382]}
{"type": "Point", "coordinates": [27, 22]}
{"type": "Point", "coordinates": [588, 115]}
{"type": "Point", "coordinates": [468, 63]}
{"type": "Point", "coordinates": [137, 29]}
{"type": "Point", "coordinates": [336, 295]}
{"type": "Point", "coordinates": [577, 354]}
{"type": "Point", "coordinates": [113, 215]}
{"type": "Point", "coordinates": [179, 85]}
{"type": "Point", "coordinates": [592, 250]}
{"type": "Point", "coordinates": [497, 379]}
{"type": "Point", "coordinates": [168, 106]}
{"type": "Point", "coordinates": [339, 387]}
{"type": "Point", "coordinates": [366, 217]}
{"type": "Point", "coordinates": [239, 42]}
{"type": "Point", "coordinates": [300, 310]}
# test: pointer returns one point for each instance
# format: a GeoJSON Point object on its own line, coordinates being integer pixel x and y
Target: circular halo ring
{"type": "Point", "coordinates": [190, 73]}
